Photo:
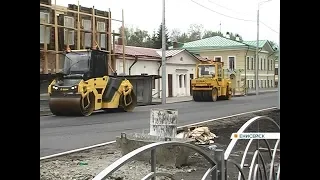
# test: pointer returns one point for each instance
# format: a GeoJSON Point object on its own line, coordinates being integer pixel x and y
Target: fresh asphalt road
{"type": "Point", "coordinates": [59, 134]}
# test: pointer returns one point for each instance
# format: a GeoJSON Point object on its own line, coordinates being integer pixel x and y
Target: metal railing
{"type": "Point", "coordinates": [128, 157]}
{"type": "Point", "coordinates": [219, 161]}
{"type": "Point", "coordinates": [255, 166]}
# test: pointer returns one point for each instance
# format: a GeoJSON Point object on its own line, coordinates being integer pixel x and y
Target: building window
{"type": "Point", "coordinates": [232, 63]}
{"type": "Point", "coordinates": [271, 65]}
{"type": "Point", "coordinates": [180, 81]}
{"type": "Point", "coordinates": [87, 35]}
{"type": "Point", "coordinates": [268, 64]}
{"type": "Point", "coordinates": [261, 64]}
{"type": "Point", "coordinates": [271, 83]}
{"type": "Point", "coordinates": [218, 58]}
{"type": "Point", "coordinates": [248, 85]}
{"type": "Point", "coordinates": [101, 28]}
{"type": "Point", "coordinates": [265, 83]}
{"type": "Point", "coordinates": [248, 63]}
{"type": "Point", "coordinates": [268, 83]}
{"type": "Point", "coordinates": [153, 83]}
{"type": "Point", "coordinates": [259, 83]}
{"type": "Point", "coordinates": [275, 71]}
{"type": "Point", "coordinates": [69, 22]}
{"type": "Point", "coordinates": [252, 63]}
{"type": "Point", "coordinates": [253, 85]}
{"type": "Point", "coordinates": [264, 64]}
{"type": "Point", "coordinates": [44, 18]}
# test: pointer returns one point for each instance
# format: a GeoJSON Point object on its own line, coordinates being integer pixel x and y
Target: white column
{"type": "Point", "coordinates": [187, 84]}
{"type": "Point", "coordinates": [183, 85]}
{"type": "Point", "coordinates": [183, 82]}
{"type": "Point", "coordinates": [176, 85]}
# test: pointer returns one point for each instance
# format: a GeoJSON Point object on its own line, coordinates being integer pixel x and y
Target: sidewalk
{"type": "Point", "coordinates": [44, 97]}
{"type": "Point", "coordinates": [189, 98]}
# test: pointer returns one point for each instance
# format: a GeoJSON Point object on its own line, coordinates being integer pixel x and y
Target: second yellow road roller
{"type": "Point", "coordinates": [84, 86]}
{"type": "Point", "coordinates": [210, 84]}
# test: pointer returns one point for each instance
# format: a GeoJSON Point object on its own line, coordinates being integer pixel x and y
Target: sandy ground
{"type": "Point", "coordinates": [85, 165]}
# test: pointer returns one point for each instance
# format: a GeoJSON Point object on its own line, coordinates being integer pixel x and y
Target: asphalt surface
{"type": "Point", "coordinates": [59, 134]}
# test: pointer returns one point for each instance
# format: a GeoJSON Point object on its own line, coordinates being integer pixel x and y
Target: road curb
{"type": "Point", "coordinates": [48, 113]}
{"type": "Point", "coordinates": [253, 93]}
{"type": "Point", "coordinates": [45, 113]}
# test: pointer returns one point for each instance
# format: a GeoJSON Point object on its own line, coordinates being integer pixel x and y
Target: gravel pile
{"type": "Point", "coordinates": [86, 164]}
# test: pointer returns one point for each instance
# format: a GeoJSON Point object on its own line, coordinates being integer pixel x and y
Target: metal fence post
{"type": "Point", "coordinates": [219, 174]}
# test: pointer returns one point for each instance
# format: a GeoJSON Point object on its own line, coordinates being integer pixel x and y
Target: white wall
{"type": "Point", "coordinates": [141, 66]}
{"type": "Point", "coordinates": [173, 66]}
{"type": "Point", "coordinates": [149, 67]}
{"type": "Point", "coordinates": [177, 68]}
{"type": "Point", "coordinates": [266, 77]}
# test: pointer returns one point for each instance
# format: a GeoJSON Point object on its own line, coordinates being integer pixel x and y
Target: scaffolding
{"type": "Point", "coordinates": [59, 22]}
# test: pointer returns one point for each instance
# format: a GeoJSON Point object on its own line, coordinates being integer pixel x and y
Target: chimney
{"type": "Point", "coordinates": [120, 42]}
{"type": "Point", "coordinates": [228, 35]}
{"type": "Point", "coordinates": [175, 44]}
{"type": "Point", "coordinates": [237, 37]}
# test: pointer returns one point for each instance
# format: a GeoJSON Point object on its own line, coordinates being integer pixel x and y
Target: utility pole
{"type": "Point", "coordinates": [257, 50]}
{"type": "Point", "coordinates": [220, 26]}
{"type": "Point", "coordinates": [163, 68]}
{"type": "Point", "coordinates": [279, 70]}
{"type": "Point", "coordinates": [257, 56]}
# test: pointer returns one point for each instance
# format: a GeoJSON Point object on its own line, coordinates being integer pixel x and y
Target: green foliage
{"type": "Point", "coordinates": [142, 38]}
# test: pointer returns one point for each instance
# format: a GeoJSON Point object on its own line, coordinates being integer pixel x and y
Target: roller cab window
{"type": "Point", "coordinates": [76, 63]}
{"type": "Point", "coordinates": [206, 71]}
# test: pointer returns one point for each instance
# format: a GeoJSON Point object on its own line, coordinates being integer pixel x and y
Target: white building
{"type": "Point", "coordinates": [180, 68]}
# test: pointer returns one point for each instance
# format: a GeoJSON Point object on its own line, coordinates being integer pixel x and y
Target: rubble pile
{"type": "Point", "coordinates": [202, 135]}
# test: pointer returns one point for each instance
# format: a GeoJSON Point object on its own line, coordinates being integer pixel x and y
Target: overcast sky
{"type": "Point", "coordinates": [147, 14]}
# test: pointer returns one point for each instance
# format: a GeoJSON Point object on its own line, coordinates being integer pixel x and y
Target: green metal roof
{"type": "Point", "coordinates": [254, 43]}
{"type": "Point", "coordinates": [218, 42]}
{"type": "Point", "coordinates": [212, 42]}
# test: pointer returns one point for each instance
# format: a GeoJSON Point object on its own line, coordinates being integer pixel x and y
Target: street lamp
{"type": "Point", "coordinates": [257, 49]}
{"type": "Point", "coordinates": [163, 68]}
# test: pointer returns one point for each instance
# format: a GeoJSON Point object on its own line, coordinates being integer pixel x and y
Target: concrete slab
{"type": "Point", "coordinates": [166, 156]}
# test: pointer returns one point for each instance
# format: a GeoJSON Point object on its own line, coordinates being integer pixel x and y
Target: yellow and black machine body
{"type": "Point", "coordinates": [210, 84]}
{"type": "Point", "coordinates": [84, 86]}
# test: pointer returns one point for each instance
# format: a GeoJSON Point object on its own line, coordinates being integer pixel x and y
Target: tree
{"type": "Point", "coordinates": [183, 38]}
{"type": "Point", "coordinates": [158, 40]}
{"type": "Point", "coordinates": [175, 34]}
{"type": "Point", "coordinates": [137, 37]}
{"type": "Point", "coordinates": [209, 33]}
{"type": "Point", "coordinates": [195, 32]}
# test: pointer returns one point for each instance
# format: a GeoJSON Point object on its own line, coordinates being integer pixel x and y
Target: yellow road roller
{"type": "Point", "coordinates": [210, 84]}
{"type": "Point", "coordinates": [84, 86]}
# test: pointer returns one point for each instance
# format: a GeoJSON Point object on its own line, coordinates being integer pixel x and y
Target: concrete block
{"type": "Point", "coordinates": [167, 156]}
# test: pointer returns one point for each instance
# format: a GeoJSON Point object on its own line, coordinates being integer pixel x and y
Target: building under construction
{"type": "Point", "coordinates": [73, 27]}
{"type": "Point", "coordinates": [76, 27]}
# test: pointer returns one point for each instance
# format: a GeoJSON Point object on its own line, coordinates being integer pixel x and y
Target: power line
{"type": "Point", "coordinates": [221, 13]}
{"type": "Point", "coordinates": [269, 27]}
{"type": "Point", "coordinates": [247, 20]}
{"type": "Point", "coordinates": [226, 7]}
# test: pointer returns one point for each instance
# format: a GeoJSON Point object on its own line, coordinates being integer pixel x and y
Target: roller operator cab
{"type": "Point", "coordinates": [210, 84]}
{"type": "Point", "coordinates": [84, 86]}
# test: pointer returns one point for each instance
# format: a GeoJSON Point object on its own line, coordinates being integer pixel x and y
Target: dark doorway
{"type": "Point", "coordinates": [170, 84]}
{"type": "Point", "coordinates": [191, 77]}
